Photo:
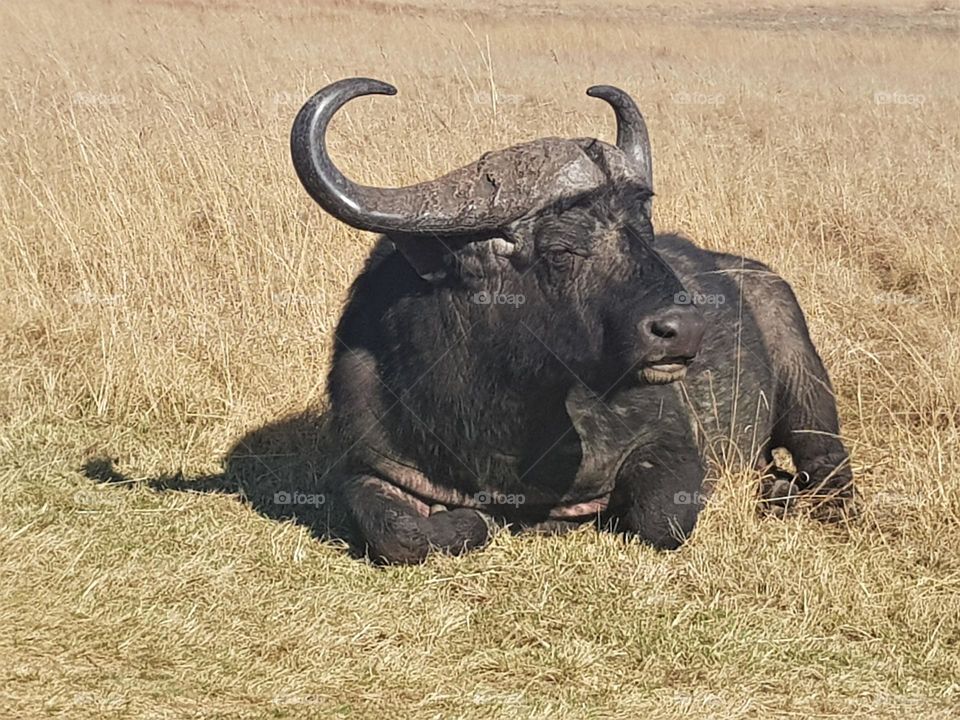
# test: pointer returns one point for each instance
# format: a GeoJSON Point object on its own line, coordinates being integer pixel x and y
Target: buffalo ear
{"type": "Point", "coordinates": [425, 257]}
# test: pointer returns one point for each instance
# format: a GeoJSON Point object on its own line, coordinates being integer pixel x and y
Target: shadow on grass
{"type": "Point", "coordinates": [282, 470]}
{"type": "Point", "coordinates": [286, 470]}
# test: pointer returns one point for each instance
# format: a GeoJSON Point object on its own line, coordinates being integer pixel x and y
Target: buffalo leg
{"type": "Point", "coordinates": [658, 497]}
{"type": "Point", "coordinates": [805, 407]}
{"type": "Point", "coordinates": [807, 425]}
{"type": "Point", "coordinates": [399, 529]}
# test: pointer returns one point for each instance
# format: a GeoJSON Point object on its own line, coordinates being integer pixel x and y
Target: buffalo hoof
{"type": "Point", "coordinates": [411, 539]}
{"type": "Point", "coordinates": [829, 488]}
{"type": "Point", "coordinates": [460, 530]}
{"type": "Point", "coordinates": [779, 493]}
{"type": "Point", "coordinates": [828, 495]}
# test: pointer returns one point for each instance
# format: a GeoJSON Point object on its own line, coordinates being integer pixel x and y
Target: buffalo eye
{"type": "Point", "coordinates": [560, 257]}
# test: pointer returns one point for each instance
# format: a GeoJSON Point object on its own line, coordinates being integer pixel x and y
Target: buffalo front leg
{"type": "Point", "coordinates": [399, 529]}
{"type": "Point", "coordinates": [657, 497]}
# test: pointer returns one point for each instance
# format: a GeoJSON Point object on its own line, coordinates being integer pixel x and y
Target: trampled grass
{"type": "Point", "coordinates": [167, 289]}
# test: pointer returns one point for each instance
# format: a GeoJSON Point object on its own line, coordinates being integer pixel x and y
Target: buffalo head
{"type": "Point", "coordinates": [543, 250]}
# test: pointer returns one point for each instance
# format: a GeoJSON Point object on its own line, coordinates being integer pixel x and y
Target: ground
{"type": "Point", "coordinates": [168, 291]}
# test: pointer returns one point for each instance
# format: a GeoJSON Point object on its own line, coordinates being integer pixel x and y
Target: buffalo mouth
{"type": "Point", "coordinates": [665, 370]}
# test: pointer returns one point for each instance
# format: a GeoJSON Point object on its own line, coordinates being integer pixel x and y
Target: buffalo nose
{"type": "Point", "coordinates": [675, 333]}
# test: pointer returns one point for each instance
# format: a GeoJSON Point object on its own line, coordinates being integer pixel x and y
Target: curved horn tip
{"type": "Point", "coordinates": [380, 87]}
{"type": "Point", "coordinates": [363, 86]}
{"type": "Point", "coordinates": [604, 91]}
{"type": "Point", "coordinates": [632, 137]}
{"type": "Point", "coordinates": [611, 94]}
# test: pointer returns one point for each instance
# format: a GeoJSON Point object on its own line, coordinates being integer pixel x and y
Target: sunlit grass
{"type": "Point", "coordinates": [167, 286]}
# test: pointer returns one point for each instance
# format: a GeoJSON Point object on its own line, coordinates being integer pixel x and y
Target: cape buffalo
{"type": "Point", "coordinates": [522, 348]}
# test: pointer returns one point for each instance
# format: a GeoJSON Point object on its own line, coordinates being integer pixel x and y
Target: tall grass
{"type": "Point", "coordinates": [166, 285]}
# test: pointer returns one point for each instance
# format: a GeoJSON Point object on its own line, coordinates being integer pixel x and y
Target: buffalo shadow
{"type": "Point", "coordinates": [284, 470]}
{"type": "Point", "coordinates": [287, 470]}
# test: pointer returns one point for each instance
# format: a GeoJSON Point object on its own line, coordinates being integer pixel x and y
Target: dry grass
{"type": "Point", "coordinates": [167, 286]}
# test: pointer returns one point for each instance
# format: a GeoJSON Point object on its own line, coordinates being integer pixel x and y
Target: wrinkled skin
{"type": "Point", "coordinates": [441, 401]}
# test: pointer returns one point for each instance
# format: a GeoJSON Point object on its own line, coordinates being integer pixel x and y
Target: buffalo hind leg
{"type": "Point", "coordinates": [808, 427]}
{"type": "Point", "coordinates": [399, 529]}
{"type": "Point", "coordinates": [657, 497]}
{"type": "Point", "coordinates": [805, 407]}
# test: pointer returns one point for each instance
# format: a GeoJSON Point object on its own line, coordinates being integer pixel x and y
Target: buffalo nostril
{"type": "Point", "coordinates": [675, 333]}
{"type": "Point", "coordinates": [664, 329]}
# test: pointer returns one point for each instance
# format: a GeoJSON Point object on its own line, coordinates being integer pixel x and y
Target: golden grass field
{"type": "Point", "coordinates": [167, 286]}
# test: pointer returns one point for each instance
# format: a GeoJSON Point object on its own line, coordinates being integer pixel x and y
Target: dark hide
{"type": "Point", "coordinates": [470, 379]}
